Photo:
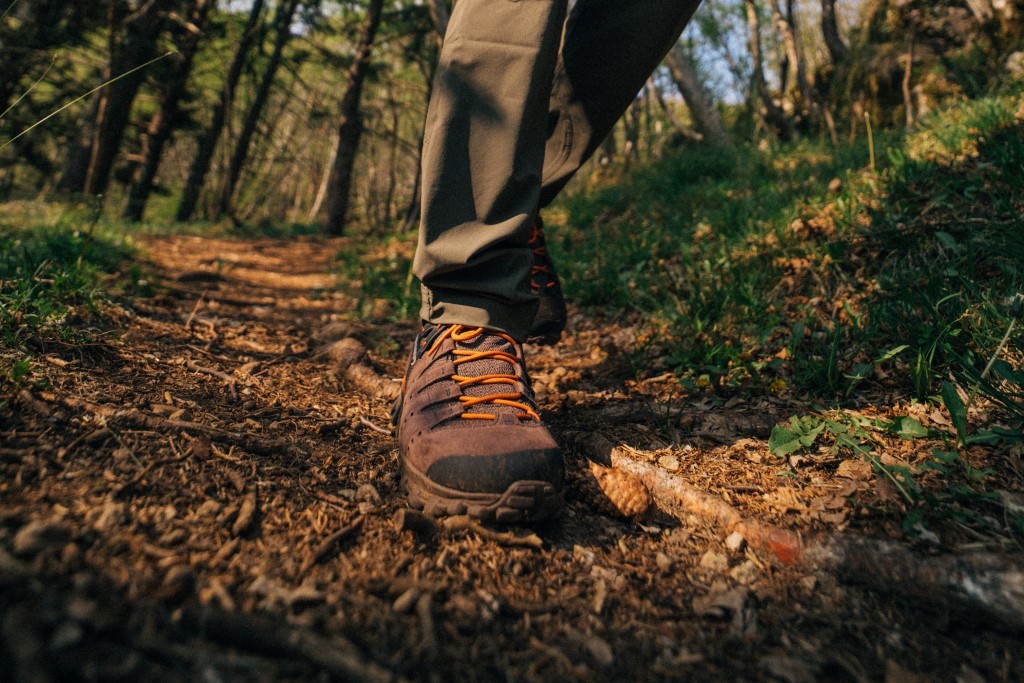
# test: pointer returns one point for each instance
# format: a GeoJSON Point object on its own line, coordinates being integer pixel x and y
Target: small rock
{"type": "Point", "coordinates": [669, 462]}
{"type": "Point", "coordinates": [39, 535]}
{"type": "Point", "coordinates": [718, 605]}
{"type": "Point", "coordinates": [745, 573]}
{"type": "Point", "coordinates": [735, 542]}
{"type": "Point", "coordinates": [368, 493]}
{"type": "Point", "coordinates": [600, 650]}
{"type": "Point", "coordinates": [663, 561]}
{"type": "Point", "coordinates": [406, 601]}
{"type": "Point", "coordinates": [716, 562]}
{"type": "Point", "coordinates": [64, 636]}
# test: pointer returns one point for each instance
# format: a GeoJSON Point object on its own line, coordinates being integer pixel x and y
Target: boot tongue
{"type": "Point", "coordinates": [489, 366]}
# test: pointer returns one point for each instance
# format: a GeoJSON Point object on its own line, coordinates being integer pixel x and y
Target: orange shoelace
{"type": "Point", "coordinates": [460, 333]}
{"type": "Point", "coordinates": [539, 249]}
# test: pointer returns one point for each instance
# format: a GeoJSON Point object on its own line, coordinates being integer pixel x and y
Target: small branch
{"type": "Point", "coordinates": [275, 637]}
{"type": "Point", "coordinates": [371, 425]}
{"type": "Point", "coordinates": [227, 379]}
{"type": "Point", "coordinates": [137, 419]}
{"type": "Point", "coordinates": [328, 543]}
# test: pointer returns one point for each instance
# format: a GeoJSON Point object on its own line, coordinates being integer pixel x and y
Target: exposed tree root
{"type": "Point", "coordinates": [115, 415]}
{"type": "Point", "coordinates": [981, 587]}
{"type": "Point", "coordinates": [350, 360]}
{"type": "Point", "coordinates": [266, 636]}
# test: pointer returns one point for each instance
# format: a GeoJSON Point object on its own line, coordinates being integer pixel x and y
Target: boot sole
{"type": "Point", "coordinates": [522, 501]}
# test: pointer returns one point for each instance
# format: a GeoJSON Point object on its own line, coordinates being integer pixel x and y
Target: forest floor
{"type": "Point", "coordinates": [201, 492]}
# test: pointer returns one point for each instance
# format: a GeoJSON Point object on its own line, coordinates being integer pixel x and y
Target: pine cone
{"type": "Point", "coordinates": [617, 492]}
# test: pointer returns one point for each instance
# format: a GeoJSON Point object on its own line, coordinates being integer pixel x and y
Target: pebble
{"type": "Point", "coordinates": [663, 561]}
{"type": "Point", "coordinates": [669, 462]}
{"type": "Point", "coordinates": [745, 573]}
{"type": "Point", "coordinates": [716, 562]}
{"type": "Point", "coordinates": [36, 536]}
{"type": "Point", "coordinates": [735, 542]}
{"type": "Point", "coordinates": [405, 602]}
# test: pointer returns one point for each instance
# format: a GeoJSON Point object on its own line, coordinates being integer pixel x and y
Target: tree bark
{"type": "Point", "coordinates": [773, 114]}
{"type": "Point", "coordinates": [706, 118]}
{"type": "Point", "coordinates": [350, 126]}
{"type": "Point", "coordinates": [282, 34]}
{"type": "Point", "coordinates": [786, 26]}
{"type": "Point", "coordinates": [133, 42]}
{"type": "Point", "coordinates": [837, 49]}
{"type": "Point", "coordinates": [207, 143]}
{"type": "Point", "coordinates": [677, 125]}
{"type": "Point", "coordinates": [167, 117]}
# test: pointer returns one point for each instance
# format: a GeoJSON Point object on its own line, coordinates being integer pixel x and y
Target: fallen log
{"type": "Point", "coordinates": [979, 588]}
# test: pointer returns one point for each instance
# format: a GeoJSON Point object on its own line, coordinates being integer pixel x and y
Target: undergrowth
{"type": "Point", "coordinates": [750, 273]}
{"type": "Point", "coordinates": [51, 278]}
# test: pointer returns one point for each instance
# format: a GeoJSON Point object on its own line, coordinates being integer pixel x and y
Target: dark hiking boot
{"type": "Point", "coordinates": [471, 440]}
{"type": "Point", "coordinates": [549, 321]}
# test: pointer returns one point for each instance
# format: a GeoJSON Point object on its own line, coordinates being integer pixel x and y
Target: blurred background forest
{"type": "Point", "coordinates": [802, 192]}
{"type": "Point", "coordinates": [179, 110]}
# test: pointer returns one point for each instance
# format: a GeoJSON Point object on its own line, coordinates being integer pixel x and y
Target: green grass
{"type": "Point", "coordinates": [51, 275]}
{"type": "Point", "coordinates": [748, 271]}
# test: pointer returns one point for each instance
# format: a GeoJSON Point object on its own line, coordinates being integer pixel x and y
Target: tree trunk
{"type": "Point", "coordinates": [705, 115]}
{"type": "Point", "coordinates": [166, 119]}
{"type": "Point", "coordinates": [207, 143]}
{"type": "Point", "coordinates": [350, 126]}
{"type": "Point", "coordinates": [439, 15]}
{"type": "Point", "coordinates": [786, 25]}
{"type": "Point", "coordinates": [830, 30]}
{"type": "Point", "coordinates": [282, 34]}
{"type": "Point", "coordinates": [677, 125]}
{"type": "Point", "coordinates": [774, 115]}
{"type": "Point", "coordinates": [133, 45]}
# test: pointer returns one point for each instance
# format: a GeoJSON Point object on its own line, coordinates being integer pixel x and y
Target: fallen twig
{"type": "Point", "coordinates": [34, 403]}
{"type": "Point", "coordinates": [134, 418]}
{"type": "Point", "coordinates": [984, 588]}
{"type": "Point", "coordinates": [407, 519]}
{"type": "Point", "coordinates": [228, 379]}
{"type": "Point", "coordinates": [328, 543]}
{"type": "Point", "coordinates": [371, 425]}
{"type": "Point", "coordinates": [666, 487]}
{"type": "Point", "coordinates": [195, 309]}
{"type": "Point", "coordinates": [275, 637]}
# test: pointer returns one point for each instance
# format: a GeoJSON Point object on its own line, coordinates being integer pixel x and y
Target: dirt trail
{"type": "Point", "coordinates": [201, 494]}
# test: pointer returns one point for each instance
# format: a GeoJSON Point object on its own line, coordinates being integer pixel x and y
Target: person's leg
{"type": "Point", "coordinates": [471, 440]}
{"type": "Point", "coordinates": [482, 158]}
{"type": "Point", "coordinates": [611, 48]}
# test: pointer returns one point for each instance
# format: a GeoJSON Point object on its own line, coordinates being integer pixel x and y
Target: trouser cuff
{"type": "Point", "coordinates": [452, 307]}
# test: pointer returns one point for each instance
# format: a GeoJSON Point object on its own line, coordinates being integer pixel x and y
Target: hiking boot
{"type": "Point", "coordinates": [549, 321]}
{"type": "Point", "coordinates": [471, 440]}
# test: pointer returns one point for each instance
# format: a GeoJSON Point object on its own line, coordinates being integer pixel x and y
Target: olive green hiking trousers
{"type": "Point", "coordinates": [523, 95]}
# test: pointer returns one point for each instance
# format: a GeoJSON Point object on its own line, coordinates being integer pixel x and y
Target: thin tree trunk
{"type": "Point", "coordinates": [283, 33]}
{"type": "Point", "coordinates": [167, 118]}
{"type": "Point", "coordinates": [786, 26]}
{"type": "Point", "coordinates": [207, 143]}
{"type": "Point", "coordinates": [837, 49]}
{"type": "Point", "coordinates": [132, 42]}
{"type": "Point", "coordinates": [350, 126]}
{"type": "Point", "coordinates": [137, 45]}
{"type": "Point", "coordinates": [677, 125]}
{"type": "Point", "coordinates": [908, 100]}
{"type": "Point", "coordinates": [706, 118]}
{"type": "Point", "coordinates": [439, 15]}
{"type": "Point", "coordinates": [774, 114]}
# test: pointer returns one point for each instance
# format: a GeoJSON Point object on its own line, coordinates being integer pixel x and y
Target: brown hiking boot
{"type": "Point", "coordinates": [471, 440]}
{"type": "Point", "coordinates": [549, 321]}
